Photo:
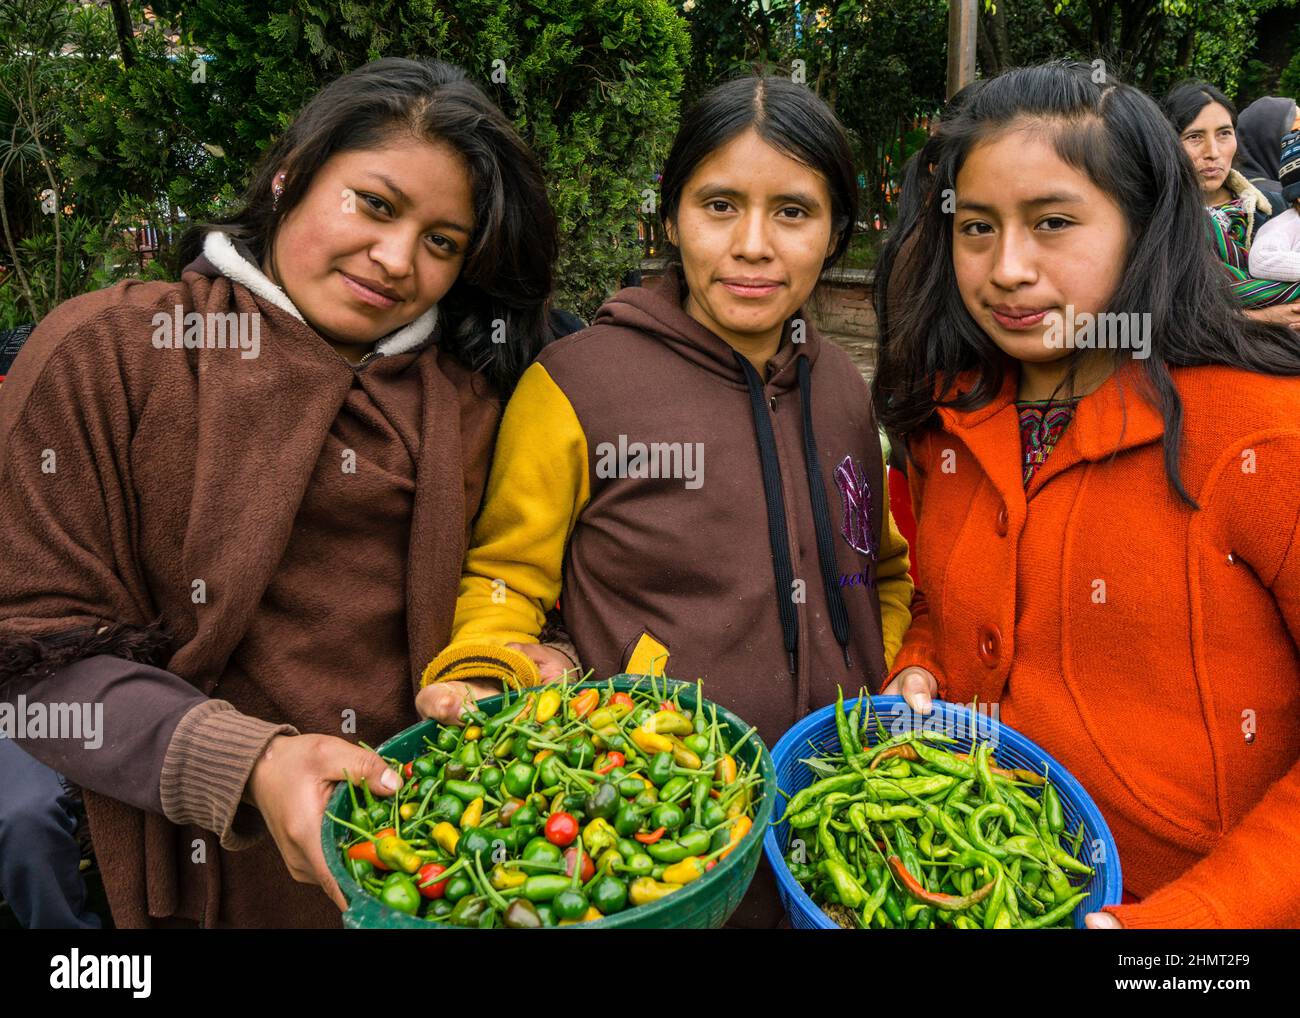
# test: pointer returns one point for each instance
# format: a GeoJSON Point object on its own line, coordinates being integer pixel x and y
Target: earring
{"type": "Point", "coordinates": [276, 191]}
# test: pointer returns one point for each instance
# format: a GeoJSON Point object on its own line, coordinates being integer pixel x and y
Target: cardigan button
{"type": "Point", "coordinates": [990, 645]}
{"type": "Point", "coordinates": [1002, 522]}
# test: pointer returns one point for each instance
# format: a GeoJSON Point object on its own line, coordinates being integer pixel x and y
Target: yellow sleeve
{"type": "Point", "coordinates": [537, 488]}
{"type": "Point", "coordinates": [893, 583]}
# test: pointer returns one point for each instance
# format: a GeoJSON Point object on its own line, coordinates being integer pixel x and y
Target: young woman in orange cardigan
{"type": "Point", "coordinates": [1107, 531]}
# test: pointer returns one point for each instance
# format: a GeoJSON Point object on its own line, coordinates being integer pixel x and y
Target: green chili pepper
{"type": "Point", "coordinates": [673, 788]}
{"type": "Point", "coordinates": [660, 769]}
{"type": "Point", "coordinates": [712, 814]}
{"type": "Point", "coordinates": [495, 723]}
{"type": "Point", "coordinates": [469, 755]}
{"type": "Point", "coordinates": [976, 833]}
{"type": "Point", "coordinates": [466, 791]}
{"type": "Point", "coordinates": [400, 893]}
{"type": "Point", "coordinates": [448, 739]}
{"type": "Point", "coordinates": [580, 752]}
{"type": "Point", "coordinates": [668, 815]}
{"type": "Point", "coordinates": [519, 778]}
{"type": "Point", "coordinates": [1052, 807]}
{"type": "Point", "coordinates": [603, 803]}
{"type": "Point", "coordinates": [545, 886]}
{"type": "Point", "coordinates": [837, 783]}
{"type": "Point", "coordinates": [627, 819]}
{"type": "Point", "coordinates": [469, 911]}
{"type": "Point", "coordinates": [609, 894]}
{"type": "Point", "coordinates": [1055, 915]}
{"type": "Point", "coordinates": [666, 850]}
{"type": "Point", "coordinates": [631, 787]}
{"type": "Point", "coordinates": [849, 890]}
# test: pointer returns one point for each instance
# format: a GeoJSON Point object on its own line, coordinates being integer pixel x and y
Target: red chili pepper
{"type": "Point", "coordinates": [667, 705]}
{"type": "Point", "coordinates": [951, 902]}
{"type": "Point", "coordinates": [427, 872]}
{"type": "Point", "coordinates": [409, 769]}
{"type": "Point", "coordinates": [588, 867]}
{"type": "Point", "coordinates": [621, 699]}
{"type": "Point", "coordinates": [584, 703]}
{"type": "Point", "coordinates": [366, 850]}
{"type": "Point", "coordinates": [613, 759]}
{"type": "Point", "coordinates": [710, 864]}
{"type": "Point", "coordinates": [652, 837]}
{"type": "Point", "coordinates": [561, 829]}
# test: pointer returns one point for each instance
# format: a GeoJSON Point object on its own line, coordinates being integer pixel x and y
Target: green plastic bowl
{"type": "Point", "coordinates": [706, 903]}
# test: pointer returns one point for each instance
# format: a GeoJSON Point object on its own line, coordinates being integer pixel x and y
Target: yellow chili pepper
{"type": "Point", "coordinates": [503, 879]}
{"type": "Point", "coordinates": [649, 743]}
{"type": "Point", "coordinates": [645, 890]}
{"type": "Point", "coordinates": [598, 836]}
{"type": "Point", "coordinates": [503, 747]}
{"type": "Point", "coordinates": [529, 704]}
{"type": "Point", "coordinates": [446, 836]}
{"type": "Point", "coordinates": [407, 810]}
{"type": "Point", "coordinates": [547, 704]}
{"type": "Point", "coordinates": [739, 804]}
{"type": "Point", "coordinates": [602, 718]}
{"type": "Point", "coordinates": [473, 733]}
{"type": "Point", "coordinates": [542, 756]}
{"type": "Point", "coordinates": [473, 814]}
{"type": "Point", "coordinates": [690, 868]}
{"type": "Point", "coordinates": [739, 828]}
{"type": "Point", "coordinates": [682, 756]}
{"type": "Point", "coordinates": [725, 771]}
{"type": "Point", "coordinates": [608, 860]}
{"type": "Point", "coordinates": [668, 722]}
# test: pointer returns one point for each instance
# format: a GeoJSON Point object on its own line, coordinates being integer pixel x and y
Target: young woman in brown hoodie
{"type": "Point", "coordinates": [672, 472]}
{"type": "Point", "coordinates": [245, 550]}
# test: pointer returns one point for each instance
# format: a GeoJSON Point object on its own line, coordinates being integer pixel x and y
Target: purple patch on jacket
{"type": "Point", "coordinates": [855, 499]}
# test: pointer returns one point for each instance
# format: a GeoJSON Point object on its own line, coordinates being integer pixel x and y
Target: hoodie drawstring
{"type": "Point", "coordinates": [775, 497]}
{"type": "Point", "coordinates": [822, 517]}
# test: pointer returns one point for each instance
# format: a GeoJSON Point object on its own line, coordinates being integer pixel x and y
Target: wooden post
{"type": "Point", "coordinates": [961, 43]}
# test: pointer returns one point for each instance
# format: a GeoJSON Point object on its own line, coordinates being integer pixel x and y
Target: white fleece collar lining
{"type": "Point", "coordinates": [227, 260]}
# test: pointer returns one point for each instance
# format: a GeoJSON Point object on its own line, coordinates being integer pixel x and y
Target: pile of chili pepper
{"type": "Point", "coordinates": [909, 833]}
{"type": "Point", "coordinates": [566, 806]}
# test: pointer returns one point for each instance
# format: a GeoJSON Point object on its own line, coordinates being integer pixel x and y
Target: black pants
{"type": "Point", "coordinates": [39, 857]}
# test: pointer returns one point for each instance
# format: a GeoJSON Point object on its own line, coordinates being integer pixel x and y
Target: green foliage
{"type": "Point", "coordinates": [592, 86]}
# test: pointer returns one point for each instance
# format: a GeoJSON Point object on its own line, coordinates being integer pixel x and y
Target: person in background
{"type": "Point", "coordinates": [1276, 251]}
{"type": "Point", "coordinates": [1260, 129]}
{"type": "Point", "coordinates": [1205, 121]}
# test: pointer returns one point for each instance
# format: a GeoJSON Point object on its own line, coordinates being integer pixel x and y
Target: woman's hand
{"type": "Point", "coordinates": [447, 701]}
{"type": "Point", "coordinates": [1279, 314]}
{"type": "Point", "coordinates": [291, 784]}
{"type": "Point", "coordinates": [915, 685]}
{"type": "Point", "coordinates": [1101, 921]}
{"type": "Point", "coordinates": [551, 663]}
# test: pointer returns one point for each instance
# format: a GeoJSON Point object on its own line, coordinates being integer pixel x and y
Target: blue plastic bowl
{"type": "Point", "coordinates": [815, 736]}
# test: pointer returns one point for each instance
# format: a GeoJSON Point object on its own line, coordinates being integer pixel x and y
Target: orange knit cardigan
{"type": "Point", "coordinates": [1149, 647]}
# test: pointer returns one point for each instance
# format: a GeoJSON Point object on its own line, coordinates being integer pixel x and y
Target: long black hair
{"type": "Point", "coordinates": [790, 118]}
{"type": "Point", "coordinates": [1117, 136]}
{"type": "Point", "coordinates": [1185, 101]}
{"type": "Point", "coordinates": [508, 273]}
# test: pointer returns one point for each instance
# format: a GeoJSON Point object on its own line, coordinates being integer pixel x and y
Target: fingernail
{"type": "Point", "coordinates": [923, 703]}
{"type": "Point", "coordinates": [389, 780]}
